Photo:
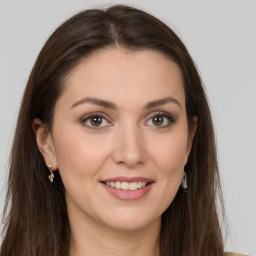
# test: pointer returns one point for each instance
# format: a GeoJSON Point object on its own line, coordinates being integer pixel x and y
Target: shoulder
{"type": "Point", "coordinates": [233, 254]}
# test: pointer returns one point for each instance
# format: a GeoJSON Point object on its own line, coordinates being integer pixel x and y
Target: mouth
{"type": "Point", "coordinates": [126, 188]}
{"type": "Point", "coordinates": [127, 185]}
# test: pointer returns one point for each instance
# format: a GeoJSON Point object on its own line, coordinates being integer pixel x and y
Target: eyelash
{"type": "Point", "coordinates": [99, 115]}
{"type": "Point", "coordinates": [170, 119]}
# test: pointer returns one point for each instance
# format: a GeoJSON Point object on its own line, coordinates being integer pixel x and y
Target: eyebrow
{"type": "Point", "coordinates": [161, 102]}
{"type": "Point", "coordinates": [96, 101]}
{"type": "Point", "coordinates": [107, 104]}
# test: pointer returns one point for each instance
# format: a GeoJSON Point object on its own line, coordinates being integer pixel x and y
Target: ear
{"type": "Point", "coordinates": [44, 143]}
{"type": "Point", "coordinates": [191, 135]}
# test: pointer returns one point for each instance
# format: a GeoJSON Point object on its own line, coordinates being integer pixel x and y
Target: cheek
{"type": "Point", "coordinates": [170, 153]}
{"type": "Point", "coordinates": [79, 155]}
{"type": "Point", "coordinates": [170, 160]}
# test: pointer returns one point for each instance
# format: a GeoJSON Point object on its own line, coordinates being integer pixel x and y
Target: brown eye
{"type": "Point", "coordinates": [161, 120]}
{"type": "Point", "coordinates": [96, 120]}
{"type": "Point", "coordinates": [158, 120]}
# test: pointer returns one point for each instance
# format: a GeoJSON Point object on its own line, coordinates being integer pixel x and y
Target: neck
{"type": "Point", "coordinates": [90, 238]}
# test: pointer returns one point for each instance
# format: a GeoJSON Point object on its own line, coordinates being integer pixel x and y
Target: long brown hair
{"type": "Point", "coordinates": [36, 219]}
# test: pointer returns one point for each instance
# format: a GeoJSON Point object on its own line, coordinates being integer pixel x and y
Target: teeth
{"type": "Point", "coordinates": [133, 186]}
{"type": "Point", "coordinates": [126, 185]}
{"type": "Point", "coordinates": [118, 185]}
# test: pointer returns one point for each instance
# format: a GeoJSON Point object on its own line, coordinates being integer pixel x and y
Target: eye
{"type": "Point", "coordinates": [95, 121]}
{"type": "Point", "coordinates": [161, 120]}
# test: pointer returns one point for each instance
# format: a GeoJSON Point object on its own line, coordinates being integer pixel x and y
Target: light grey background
{"type": "Point", "coordinates": [221, 37]}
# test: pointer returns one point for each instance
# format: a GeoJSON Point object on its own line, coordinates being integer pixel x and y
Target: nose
{"type": "Point", "coordinates": [129, 148]}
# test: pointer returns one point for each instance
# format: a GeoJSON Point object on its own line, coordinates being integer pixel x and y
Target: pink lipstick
{"type": "Point", "coordinates": [128, 188]}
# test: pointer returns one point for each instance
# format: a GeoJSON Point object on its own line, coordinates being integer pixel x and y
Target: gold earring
{"type": "Point", "coordinates": [51, 176]}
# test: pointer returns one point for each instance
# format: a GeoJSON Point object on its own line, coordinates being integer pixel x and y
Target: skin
{"type": "Point", "coordinates": [127, 143]}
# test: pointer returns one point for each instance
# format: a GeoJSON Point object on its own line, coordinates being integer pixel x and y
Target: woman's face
{"type": "Point", "coordinates": [120, 138]}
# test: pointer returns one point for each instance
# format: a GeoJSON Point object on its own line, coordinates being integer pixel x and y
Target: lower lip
{"type": "Point", "coordinates": [128, 194]}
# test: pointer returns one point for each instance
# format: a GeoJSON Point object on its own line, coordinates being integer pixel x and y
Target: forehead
{"type": "Point", "coordinates": [125, 77]}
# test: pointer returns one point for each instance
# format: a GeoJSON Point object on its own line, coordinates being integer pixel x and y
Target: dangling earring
{"type": "Point", "coordinates": [184, 182]}
{"type": "Point", "coordinates": [51, 176]}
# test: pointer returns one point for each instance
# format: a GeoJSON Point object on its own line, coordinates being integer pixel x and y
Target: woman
{"type": "Point", "coordinates": [114, 151]}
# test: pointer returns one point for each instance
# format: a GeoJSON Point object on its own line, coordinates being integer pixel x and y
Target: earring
{"type": "Point", "coordinates": [51, 176]}
{"type": "Point", "coordinates": [184, 182]}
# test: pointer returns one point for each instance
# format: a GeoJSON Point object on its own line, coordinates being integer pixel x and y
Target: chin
{"type": "Point", "coordinates": [131, 221]}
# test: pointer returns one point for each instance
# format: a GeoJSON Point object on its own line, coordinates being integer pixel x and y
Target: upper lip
{"type": "Point", "coordinates": [128, 179]}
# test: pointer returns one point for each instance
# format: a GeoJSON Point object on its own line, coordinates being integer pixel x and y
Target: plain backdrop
{"type": "Point", "coordinates": [221, 37]}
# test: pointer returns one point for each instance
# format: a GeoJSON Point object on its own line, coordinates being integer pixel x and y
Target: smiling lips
{"type": "Point", "coordinates": [126, 188]}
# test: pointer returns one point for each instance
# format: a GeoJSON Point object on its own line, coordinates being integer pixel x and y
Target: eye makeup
{"type": "Point", "coordinates": [161, 120]}
{"type": "Point", "coordinates": [99, 120]}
